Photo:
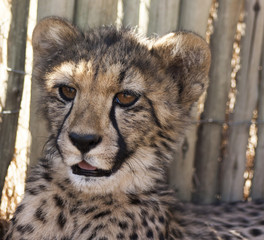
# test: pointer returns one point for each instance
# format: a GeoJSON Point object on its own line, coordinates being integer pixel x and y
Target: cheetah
{"type": "Point", "coordinates": [117, 106]}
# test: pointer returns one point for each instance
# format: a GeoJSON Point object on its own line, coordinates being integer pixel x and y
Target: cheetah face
{"type": "Point", "coordinates": [97, 116]}
{"type": "Point", "coordinates": [116, 104]}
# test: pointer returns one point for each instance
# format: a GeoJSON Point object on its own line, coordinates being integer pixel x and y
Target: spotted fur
{"type": "Point", "coordinates": [103, 171]}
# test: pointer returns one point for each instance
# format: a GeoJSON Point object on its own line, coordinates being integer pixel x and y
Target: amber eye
{"type": "Point", "coordinates": [67, 93]}
{"type": "Point", "coordinates": [126, 99]}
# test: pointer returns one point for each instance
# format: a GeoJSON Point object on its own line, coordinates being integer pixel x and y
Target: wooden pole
{"type": "Point", "coordinates": [60, 8]}
{"type": "Point", "coordinates": [233, 166]}
{"type": "Point", "coordinates": [258, 179]}
{"type": "Point", "coordinates": [130, 12]}
{"type": "Point", "coordinates": [209, 142]}
{"type": "Point", "coordinates": [90, 13]}
{"type": "Point", "coordinates": [15, 60]}
{"type": "Point", "coordinates": [181, 170]}
{"type": "Point", "coordinates": [37, 125]}
{"type": "Point", "coordinates": [163, 16]}
{"type": "Point", "coordinates": [192, 18]}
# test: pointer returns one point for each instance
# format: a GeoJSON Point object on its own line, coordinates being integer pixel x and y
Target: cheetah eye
{"type": "Point", "coordinates": [67, 93]}
{"type": "Point", "coordinates": [126, 99]}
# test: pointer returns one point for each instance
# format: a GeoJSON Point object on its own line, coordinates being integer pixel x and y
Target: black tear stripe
{"type": "Point", "coordinates": [123, 152]}
{"type": "Point", "coordinates": [60, 129]}
{"type": "Point", "coordinates": [153, 113]}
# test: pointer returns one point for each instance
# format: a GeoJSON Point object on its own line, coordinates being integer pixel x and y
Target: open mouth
{"type": "Point", "coordinates": [85, 169]}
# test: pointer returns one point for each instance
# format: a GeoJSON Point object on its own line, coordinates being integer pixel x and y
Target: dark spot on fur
{"type": "Point", "coordinates": [13, 221]}
{"type": "Point", "coordinates": [152, 218]}
{"type": "Point", "coordinates": [20, 208]}
{"type": "Point", "coordinates": [261, 222]}
{"type": "Point", "coordinates": [99, 227]}
{"type": "Point", "coordinates": [62, 187]}
{"type": "Point", "coordinates": [102, 214]}
{"type": "Point", "coordinates": [168, 148]}
{"type": "Point", "coordinates": [40, 215]}
{"type": "Point", "coordinates": [144, 222]}
{"type": "Point", "coordinates": [42, 187]}
{"type": "Point", "coordinates": [90, 210]}
{"type": "Point", "coordinates": [143, 212]}
{"type": "Point", "coordinates": [61, 220]}
{"type": "Point", "coordinates": [67, 181]}
{"type": "Point", "coordinates": [161, 219]}
{"type": "Point", "coordinates": [134, 199]}
{"type": "Point", "coordinates": [161, 236]}
{"type": "Point", "coordinates": [45, 163]}
{"type": "Point", "coordinates": [58, 201]}
{"type": "Point", "coordinates": [255, 232]}
{"type": "Point", "coordinates": [113, 220]}
{"type": "Point", "coordinates": [254, 214]}
{"type": "Point", "coordinates": [94, 231]}
{"type": "Point", "coordinates": [123, 225]}
{"type": "Point", "coordinates": [239, 219]}
{"type": "Point", "coordinates": [226, 237]}
{"type": "Point", "coordinates": [32, 179]}
{"type": "Point", "coordinates": [70, 195]}
{"type": "Point", "coordinates": [47, 177]}
{"type": "Point", "coordinates": [25, 228]}
{"type": "Point", "coordinates": [32, 191]}
{"type": "Point", "coordinates": [130, 215]}
{"type": "Point", "coordinates": [177, 233]}
{"type": "Point", "coordinates": [120, 236]}
{"type": "Point", "coordinates": [86, 227]}
{"type": "Point", "coordinates": [149, 234]}
{"type": "Point", "coordinates": [133, 236]}
{"type": "Point", "coordinates": [93, 236]}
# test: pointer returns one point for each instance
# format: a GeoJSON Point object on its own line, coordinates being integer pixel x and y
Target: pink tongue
{"type": "Point", "coordinates": [86, 166]}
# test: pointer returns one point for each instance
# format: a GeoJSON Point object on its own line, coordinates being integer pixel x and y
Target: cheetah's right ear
{"type": "Point", "coordinates": [52, 34]}
{"type": "Point", "coordinates": [186, 58]}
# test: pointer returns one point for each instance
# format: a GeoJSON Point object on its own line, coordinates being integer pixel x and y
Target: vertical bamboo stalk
{"type": "Point", "coordinates": [258, 179]}
{"type": "Point", "coordinates": [130, 12]}
{"type": "Point", "coordinates": [90, 13]}
{"type": "Point", "coordinates": [253, 86]}
{"type": "Point", "coordinates": [181, 170]}
{"type": "Point", "coordinates": [60, 8]}
{"type": "Point", "coordinates": [209, 142]}
{"type": "Point", "coordinates": [233, 165]}
{"type": "Point", "coordinates": [15, 60]}
{"type": "Point", "coordinates": [38, 128]}
{"type": "Point", "coordinates": [163, 16]}
{"type": "Point", "coordinates": [192, 18]}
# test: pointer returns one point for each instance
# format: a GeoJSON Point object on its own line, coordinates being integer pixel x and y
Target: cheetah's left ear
{"type": "Point", "coordinates": [52, 34]}
{"type": "Point", "coordinates": [186, 58]}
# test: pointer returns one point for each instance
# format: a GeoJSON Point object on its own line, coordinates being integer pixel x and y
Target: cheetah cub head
{"type": "Point", "coordinates": [116, 103]}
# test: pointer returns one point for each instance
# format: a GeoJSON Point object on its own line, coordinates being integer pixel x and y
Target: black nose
{"type": "Point", "coordinates": [84, 142]}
